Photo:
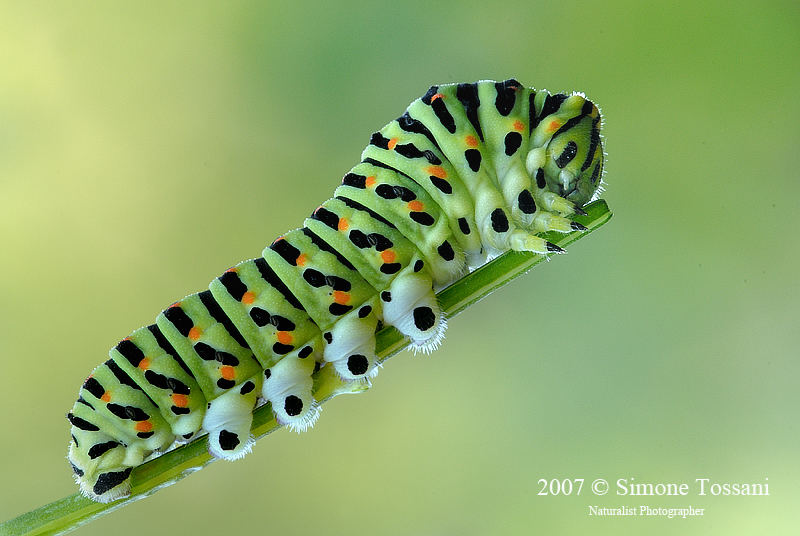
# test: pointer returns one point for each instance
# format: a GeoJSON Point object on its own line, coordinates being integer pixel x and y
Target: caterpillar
{"type": "Point", "coordinates": [469, 171]}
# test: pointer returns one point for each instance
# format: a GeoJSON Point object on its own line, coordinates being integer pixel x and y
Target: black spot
{"type": "Point", "coordinates": [339, 309]}
{"type": "Point", "coordinates": [267, 373]}
{"type": "Point", "coordinates": [418, 266]}
{"type": "Point", "coordinates": [101, 448]}
{"type": "Point", "coordinates": [554, 248]}
{"type": "Point", "coordinates": [132, 353]}
{"type": "Point", "coordinates": [390, 268]}
{"type": "Point", "coordinates": [127, 412]}
{"type": "Point", "coordinates": [443, 114]}
{"type": "Point", "coordinates": [473, 157]}
{"type": "Point", "coordinates": [357, 364]}
{"type": "Point", "coordinates": [424, 318]}
{"type": "Point", "coordinates": [282, 349]}
{"type": "Point", "coordinates": [446, 251]}
{"type": "Point", "coordinates": [328, 336]}
{"type": "Point", "coordinates": [506, 96]}
{"type": "Point", "coordinates": [358, 238]}
{"type": "Point", "coordinates": [144, 435]}
{"type": "Point", "coordinates": [379, 241]}
{"type": "Point", "coordinates": [222, 383]}
{"type": "Point", "coordinates": [82, 424]}
{"type": "Point", "coordinates": [288, 252]}
{"type": "Point", "coordinates": [526, 203]}
{"type": "Point", "coordinates": [443, 185]}
{"type": "Point", "coordinates": [567, 154]}
{"type": "Point", "coordinates": [426, 98]}
{"type": "Point", "coordinates": [188, 436]}
{"type": "Point", "coordinates": [206, 352]}
{"type": "Point", "coordinates": [512, 141]}
{"type": "Point", "coordinates": [379, 140]}
{"type": "Point", "coordinates": [179, 319]}
{"type": "Point", "coordinates": [356, 181]}
{"type": "Point", "coordinates": [247, 387]}
{"type": "Point", "coordinates": [75, 468]}
{"type": "Point", "coordinates": [467, 95]}
{"type": "Point", "coordinates": [107, 481]}
{"type": "Point", "coordinates": [228, 440]}
{"type": "Point", "coordinates": [541, 182]}
{"type": "Point", "coordinates": [180, 411]}
{"type": "Point", "coordinates": [422, 218]}
{"type": "Point", "coordinates": [431, 157]}
{"type": "Point", "coordinates": [464, 226]}
{"type": "Point", "coordinates": [305, 352]}
{"type": "Point", "coordinates": [163, 382]}
{"type": "Point", "coordinates": [282, 323]}
{"type": "Point", "coordinates": [386, 191]}
{"type": "Point", "coordinates": [233, 284]}
{"type": "Point", "coordinates": [499, 221]}
{"type": "Point", "coordinates": [260, 316]}
{"type": "Point", "coordinates": [409, 150]}
{"type": "Point", "coordinates": [313, 277]}
{"type": "Point", "coordinates": [364, 311]}
{"type": "Point", "coordinates": [386, 296]}
{"type": "Point", "coordinates": [338, 283]}
{"type": "Point", "coordinates": [327, 217]}
{"type": "Point", "coordinates": [94, 387]}
{"type": "Point", "coordinates": [292, 405]}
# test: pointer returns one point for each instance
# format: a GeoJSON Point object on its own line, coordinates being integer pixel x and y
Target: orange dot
{"type": "Point", "coordinates": [301, 259]}
{"type": "Point", "coordinates": [176, 304]}
{"type": "Point", "coordinates": [437, 96]}
{"type": "Point", "coordinates": [143, 426]}
{"type": "Point", "coordinates": [144, 364]}
{"type": "Point", "coordinates": [195, 333]}
{"type": "Point", "coordinates": [341, 297]}
{"type": "Point", "coordinates": [415, 205]}
{"type": "Point", "coordinates": [227, 372]}
{"type": "Point", "coordinates": [392, 143]}
{"type": "Point", "coordinates": [248, 297]}
{"type": "Point", "coordinates": [180, 400]}
{"type": "Point", "coordinates": [343, 224]}
{"type": "Point", "coordinates": [471, 141]}
{"type": "Point", "coordinates": [436, 171]}
{"type": "Point", "coordinates": [284, 337]}
{"type": "Point", "coordinates": [519, 126]}
{"type": "Point", "coordinates": [106, 397]}
{"type": "Point", "coordinates": [370, 182]}
{"type": "Point", "coordinates": [553, 126]}
{"type": "Point", "coordinates": [388, 255]}
{"type": "Point", "coordinates": [231, 269]}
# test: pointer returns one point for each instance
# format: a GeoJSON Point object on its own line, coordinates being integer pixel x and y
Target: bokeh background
{"type": "Point", "coordinates": [145, 148]}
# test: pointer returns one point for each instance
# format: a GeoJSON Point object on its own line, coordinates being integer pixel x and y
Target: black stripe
{"type": "Point", "coordinates": [356, 181]}
{"type": "Point", "coordinates": [99, 449]}
{"type": "Point", "coordinates": [94, 387]}
{"type": "Point", "coordinates": [327, 217]}
{"type": "Point", "coordinates": [567, 154]}
{"type": "Point", "coordinates": [233, 284]}
{"type": "Point", "coordinates": [121, 376]}
{"type": "Point", "coordinates": [358, 206]}
{"type": "Point", "coordinates": [107, 481]}
{"type": "Point", "coordinates": [132, 353]}
{"type": "Point", "coordinates": [467, 95]}
{"type": "Point", "coordinates": [219, 315]}
{"type": "Point", "coordinates": [594, 139]}
{"type": "Point", "coordinates": [288, 252]}
{"type": "Point", "coordinates": [179, 319]}
{"type": "Point", "coordinates": [324, 246]}
{"type": "Point", "coordinates": [551, 104]}
{"type": "Point", "coordinates": [506, 96]}
{"type": "Point", "coordinates": [379, 140]}
{"type": "Point", "coordinates": [443, 114]}
{"type": "Point", "coordinates": [167, 347]}
{"type": "Point", "coordinates": [82, 424]}
{"type": "Point", "coordinates": [269, 275]}
{"type": "Point", "coordinates": [409, 124]}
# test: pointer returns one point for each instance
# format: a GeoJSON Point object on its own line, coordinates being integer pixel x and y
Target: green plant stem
{"type": "Point", "coordinates": [71, 512]}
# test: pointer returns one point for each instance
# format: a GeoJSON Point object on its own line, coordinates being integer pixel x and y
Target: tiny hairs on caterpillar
{"type": "Point", "coordinates": [467, 172]}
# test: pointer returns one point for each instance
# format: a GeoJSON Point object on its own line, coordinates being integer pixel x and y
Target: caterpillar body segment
{"type": "Point", "coordinates": [467, 172]}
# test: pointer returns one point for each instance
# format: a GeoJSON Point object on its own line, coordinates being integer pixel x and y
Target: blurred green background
{"type": "Point", "coordinates": [144, 149]}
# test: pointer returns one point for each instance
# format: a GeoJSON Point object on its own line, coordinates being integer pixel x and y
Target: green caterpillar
{"type": "Point", "coordinates": [467, 172]}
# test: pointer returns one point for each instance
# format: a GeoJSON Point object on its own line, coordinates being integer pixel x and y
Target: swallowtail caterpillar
{"type": "Point", "coordinates": [467, 172]}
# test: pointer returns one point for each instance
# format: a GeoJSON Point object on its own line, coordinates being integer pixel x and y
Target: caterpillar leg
{"type": "Point", "coordinates": [350, 344]}
{"type": "Point", "coordinates": [288, 385]}
{"type": "Point", "coordinates": [228, 420]}
{"type": "Point", "coordinates": [549, 201]}
{"type": "Point", "coordinates": [410, 305]}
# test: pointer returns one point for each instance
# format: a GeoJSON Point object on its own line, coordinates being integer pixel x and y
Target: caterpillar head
{"type": "Point", "coordinates": [569, 150]}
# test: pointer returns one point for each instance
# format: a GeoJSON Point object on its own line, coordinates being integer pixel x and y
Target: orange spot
{"type": "Point", "coordinates": [553, 126]}
{"type": "Point", "coordinates": [341, 297]}
{"type": "Point", "coordinates": [127, 338]}
{"type": "Point", "coordinates": [436, 171]}
{"type": "Point", "coordinates": [248, 297]}
{"type": "Point", "coordinates": [370, 182]}
{"type": "Point", "coordinates": [227, 372]}
{"type": "Point", "coordinates": [437, 96]}
{"type": "Point", "coordinates": [176, 304]}
{"type": "Point", "coordinates": [231, 269]}
{"type": "Point", "coordinates": [415, 205]}
{"type": "Point", "coordinates": [144, 364]}
{"type": "Point", "coordinates": [388, 255]}
{"type": "Point", "coordinates": [180, 400]}
{"type": "Point", "coordinates": [195, 333]}
{"type": "Point", "coordinates": [284, 337]}
{"type": "Point", "coordinates": [392, 143]}
{"type": "Point", "coordinates": [519, 126]}
{"type": "Point", "coordinates": [143, 426]}
{"type": "Point", "coordinates": [471, 141]}
{"type": "Point", "coordinates": [343, 224]}
{"type": "Point", "coordinates": [106, 397]}
{"type": "Point", "coordinates": [301, 259]}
